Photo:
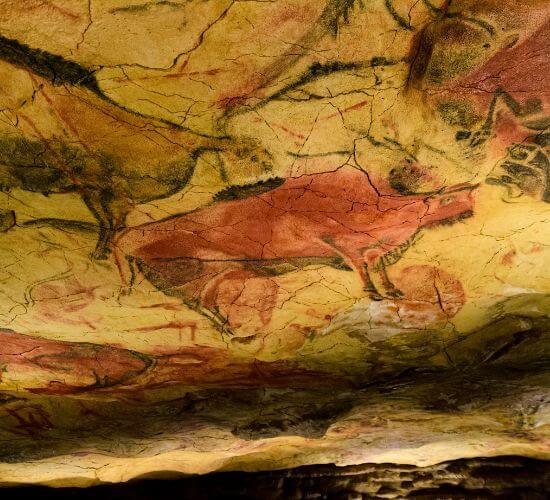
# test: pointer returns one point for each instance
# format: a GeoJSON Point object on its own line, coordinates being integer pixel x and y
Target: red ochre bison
{"type": "Point", "coordinates": [336, 218]}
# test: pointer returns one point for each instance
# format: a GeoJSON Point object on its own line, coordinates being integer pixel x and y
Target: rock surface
{"type": "Point", "coordinates": [246, 235]}
{"type": "Point", "coordinates": [505, 477]}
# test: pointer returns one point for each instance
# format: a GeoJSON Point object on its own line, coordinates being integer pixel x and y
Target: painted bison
{"type": "Point", "coordinates": [336, 218]}
{"type": "Point", "coordinates": [66, 136]}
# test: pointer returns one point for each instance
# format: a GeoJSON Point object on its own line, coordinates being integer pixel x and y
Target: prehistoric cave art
{"type": "Point", "coordinates": [526, 168]}
{"type": "Point", "coordinates": [337, 219]}
{"type": "Point", "coordinates": [71, 138]}
{"type": "Point", "coordinates": [248, 235]}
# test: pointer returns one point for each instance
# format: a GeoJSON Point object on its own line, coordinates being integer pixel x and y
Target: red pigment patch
{"type": "Point", "coordinates": [353, 107]}
{"type": "Point", "coordinates": [31, 419]}
{"type": "Point", "coordinates": [65, 301]}
{"type": "Point", "coordinates": [52, 7]}
{"type": "Point", "coordinates": [522, 69]}
{"type": "Point", "coordinates": [508, 258]}
{"type": "Point", "coordinates": [86, 365]}
{"type": "Point", "coordinates": [189, 326]}
{"type": "Point", "coordinates": [297, 135]}
{"type": "Point", "coordinates": [429, 294]}
{"type": "Point", "coordinates": [507, 130]}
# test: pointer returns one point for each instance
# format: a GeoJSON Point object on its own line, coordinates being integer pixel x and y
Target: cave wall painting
{"type": "Point", "coordinates": [250, 199]}
{"type": "Point", "coordinates": [336, 218]}
{"type": "Point", "coordinates": [209, 208]}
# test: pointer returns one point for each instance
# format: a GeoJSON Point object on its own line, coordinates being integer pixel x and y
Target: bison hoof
{"type": "Point", "coordinates": [376, 296]}
{"type": "Point", "coordinates": [394, 293]}
{"type": "Point", "coordinates": [7, 220]}
{"type": "Point", "coordinates": [100, 254]}
{"type": "Point", "coordinates": [125, 291]}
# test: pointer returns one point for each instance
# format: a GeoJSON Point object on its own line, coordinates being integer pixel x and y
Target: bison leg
{"type": "Point", "coordinates": [127, 269]}
{"type": "Point", "coordinates": [188, 279]}
{"type": "Point", "coordinates": [105, 222]}
{"type": "Point", "coordinates": [221, 285]}
{"type": "Point", "coordinates": [390, 289]}
{"type": "Point", "coordinates": [353, 258]}
{"type": "Point", "coordinates": [382, 283]}
{"type": "Point", "coordinates": [108, 223]}
{"type": "Point", "coordinates": [213, 315]}
{"type": "Point", "coordinates": [377, 283]}
{"type": "Point", "coordinates": [370, 287]}
{"type": "Point", "coordinates": [238, 288]}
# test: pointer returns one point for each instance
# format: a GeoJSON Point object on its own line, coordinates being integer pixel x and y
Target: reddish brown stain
{"type": "Point", "coordinates": [353, 107]}
{"type": "Point", "coordinates": [284, 128]}
{"type": "Point", "coordinates": [508, 258]}
{"type": "Point", "coordinates": [92, 365]}
{"type": "Point", "coordinates": [163, 305]}
{"type": "Point", "coordinates": [31, 419]}
{"type": "Point", "coordinates": [66, 301]}
{"type": "Point", "coordinates": [172, 324]}
{"type": "Point", "coordinates": [292, 14]}
{"type": "Point", "coordinates": [52, 6]}
{"type": "Point", "coordinates": [429, 294]}
{"type": "Point", "coordinates": [208, 367]}
{"type": "Point", "coordinates": [191, 326]}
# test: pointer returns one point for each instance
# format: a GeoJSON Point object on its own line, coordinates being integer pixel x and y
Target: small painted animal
{"type": "Point", "coordinates": [526, 168]}
{"type": "Point", "coordinates": [60, 134]}
{"type": "Point", "coordinates": [335, 218]}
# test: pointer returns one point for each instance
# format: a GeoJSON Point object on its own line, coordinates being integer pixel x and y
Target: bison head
{"type": "Point", "coordinates": [449, 205]}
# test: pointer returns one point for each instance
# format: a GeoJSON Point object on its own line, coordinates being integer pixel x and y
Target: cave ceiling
{"type": "Point", "coordinates": [247, 235]}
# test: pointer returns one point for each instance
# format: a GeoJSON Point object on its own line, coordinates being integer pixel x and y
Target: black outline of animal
{"type": "Point", "coordinates": [526, 167]}
{"type": "Point", "coordinates": [108, 184]}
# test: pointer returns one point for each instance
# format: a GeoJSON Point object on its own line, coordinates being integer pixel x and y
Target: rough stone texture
{"type": "Point", "coordinates": [503, 477]}
{"type": "Point", "coordinates": [246, 235]}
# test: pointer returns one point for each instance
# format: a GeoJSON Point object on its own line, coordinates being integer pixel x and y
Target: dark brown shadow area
{"type": "Point", "coordinates": [506, 477]}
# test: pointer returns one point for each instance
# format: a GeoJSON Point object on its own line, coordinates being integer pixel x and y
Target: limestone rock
{"type": "Point", "coordinates": [254, 235]}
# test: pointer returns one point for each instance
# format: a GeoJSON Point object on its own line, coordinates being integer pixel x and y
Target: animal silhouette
{"type": "Point", "coordinates": [63, 135]}
{"type": "Point", "coordinates": [336, 218]}
{"type": "Point", "coordinates": [59, 133]}
{"type": "Point", "coordinates": [526, 167]}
